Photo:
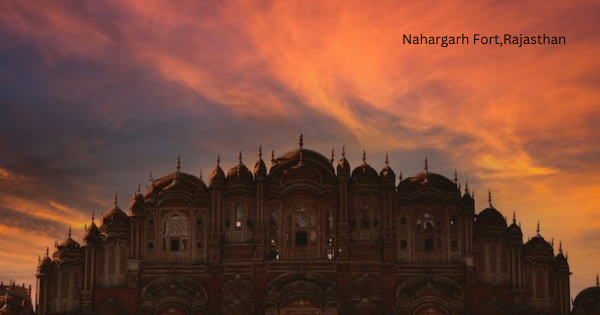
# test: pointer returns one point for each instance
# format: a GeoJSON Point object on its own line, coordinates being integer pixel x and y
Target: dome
{"type": "Point", "coordinates": [427, 180]}
{"type": "Point", "coordinates": [260, 169]}
{"type": "Point", "coordinates": [304, 155]}
{"type": "Point", "coordinates": [538, 246]}
{"type": "Point", "coordinates": [387, 174]}
{"type": "Point", "coordinates": [239, 174]}
{"type": "Point", "coordinates": [299, 159]}
{"type": "Point", "coordinates": [92, 234]}
{"type": "Point", "coordinates": [364, 173]}
{"type": "Point", "coordinates": [343, 166]}
{"type": "Point", "coordinates": [116, 215]}
{"type": "Point", "coordinates": [137, 201]}
{"type": "Point", "coordinates": [561, 260]}
{"type": "Point", "coordinates": [44, 262]}
{"type": "Point", "coordinates": [68, 242]}
{"type": "Point", "coordinates": [114, 218]}
{"type": "Point", "coordinates": [217, 176]}
{"type": "Point", "coordinates": [175, 182]}
{"type": "Point", "coordinates": [491, 217]}
{"type": "Point", "coordinates": [515, 231]}
{"type": "Point", "coordinates": [587, 301]}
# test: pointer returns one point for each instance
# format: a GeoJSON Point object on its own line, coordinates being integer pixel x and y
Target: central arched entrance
{"type": "Point", "coordinates": [301, 293]}
{"type": "Point", "coordinates": [300, 306]}
{"type": "Point", "coordinates": [429, 295]}
{"type": "Point", "coordinates": [428, 310]}
{"type": "Point", "coordinates": [171, 311]}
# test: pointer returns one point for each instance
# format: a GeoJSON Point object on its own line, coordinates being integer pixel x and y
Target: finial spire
{"type": "Point", "coordinates": [426, 167]}
{"type": "Point", "coordinates": [69, 231]}
{"type": "Point", "coordinates": [139, 189]}
{"type": "Point", "coordinates": [301, 158]}
{"type": "Point", "coordinates": [301, 141]}
{"type": "Point", "coordinates": [150, 179]}
{"type": "Point", "coordinates": [93, 216]}
{"type": "Point", "coordinates": [343, 151]}
{"type": "Point", "coordinates": [400, 176]}
{"type": "Point", "coordinates": [200, 174]}
{"type": "Point", "coordinates": [260, 152]}
{"type": "Point", "coordinates": [387, 160]}
{"type": "Point", "coordinates": [273, 157]}
{"type": "Point", "coordinates": [218, 160]}
{"type": "Point", "coordinates": [514, 217]}
{"type": "Point", "coordinates": [47, 251]}
{"type": "Point", "coordinates": [597, 280]}
{"type": "Point", "coordinates": [467, 188]}
{"type": "Point", "coordinates": [116, 200]}
{"type": "Point", "coordinates": [455, 177]}
{"type": "Point", "coordinates": [490, 198]}
{"type": "Point", "coordinates": [364, 158]}
{"type": "Point", "coordinates": [538, 228]}
{"type": "Point", "coordinates": [560, 247]}
{"type": "Point", "coordinates": [332, 156]}
{"type": "Point", "coordinates": [178, 167]}
{"type": "Point", "coordinates": [240, 157]}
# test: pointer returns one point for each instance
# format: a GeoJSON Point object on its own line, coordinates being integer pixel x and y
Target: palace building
{"type": "Point", "coordinates": [307, 235]}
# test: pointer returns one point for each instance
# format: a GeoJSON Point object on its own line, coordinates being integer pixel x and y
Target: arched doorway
{"type": "Point", "coordinates": [429, 295]}
{"type": "Point", "coordinates": [301, 293]}
{"type": "Point", "coordinates": [171, 310]}
{"type": "Point", "coordinates": [428, 310]}
{"type": "Point", "coordinates": [300, 306]}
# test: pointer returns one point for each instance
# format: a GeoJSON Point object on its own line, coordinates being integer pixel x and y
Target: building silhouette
{"type": "Point", "coordinates": [15, 299]}
{"type": "Point", "coordinates": [309, 235]}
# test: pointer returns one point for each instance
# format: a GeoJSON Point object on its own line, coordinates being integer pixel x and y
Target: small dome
{"type": "Point", "coordinates": [68, 242]}
{"type": "Point", "coordinates": [515, 231]}
{"type": "Point", "coordinates": [217, 176]}
{"type": "Point", "coordinates": [538, 246]}
{"type": "Point", "coordinates": [587, 301]}
{"type": "Point", "coordinates": [260, 169]}
{"type": "Point", "coordinates": [239, 174]}
{"type": "Point", "coordinates": [92, 234]}
{"type": "Point", "coordinates": [116, 215]}
{"type": "Point", "coordinates": [137, 201]}
{"type": "Point", "coordinates": [343, 166]}
{"type": "Point", "coordinates": [387, 174]}
{"type": "Point", "coordinates": [491, 217]}
{"type": "Point", "coordinates": [44, 263]}
{"type": "Point", "coordinates": [364, 173]}
{"type": "Point", "coordinates": [561, 260]}
{"type": "Point", "coordinates": [114, 218]}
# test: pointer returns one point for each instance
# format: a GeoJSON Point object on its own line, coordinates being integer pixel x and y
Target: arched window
{"type": "Point", "coordinates": [426, 231]}
{"type": "Point", "coordinates": [176, 232]}
{"type": "Point", "coordinates": [330, 252]}
{"type": "Point", "coordinates": [365, 217]}
{"type": "Point", "coordinates": [239, 217]}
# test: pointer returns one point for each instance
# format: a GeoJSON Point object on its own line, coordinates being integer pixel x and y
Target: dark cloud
{"type": "Point", "coordinates": [27, 222]}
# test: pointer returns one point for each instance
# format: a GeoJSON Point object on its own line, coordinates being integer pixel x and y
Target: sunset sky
{"type": "Point", "coordinates": [95, 94]}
